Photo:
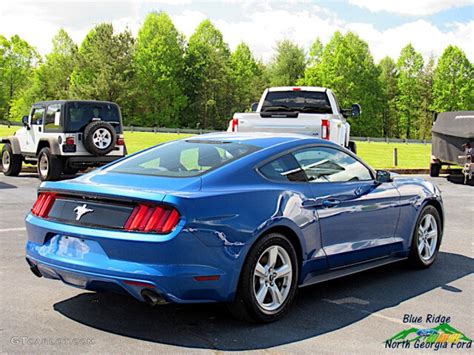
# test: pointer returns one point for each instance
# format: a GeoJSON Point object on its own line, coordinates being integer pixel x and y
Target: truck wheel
{"type": "Point", "coordinates": [11, 163]}
{"type": "Point", "coordinates": [99, 137]}
{"type": "Point", "coordinates": [435, 168]}
{"type": "Point", "coordinates": [352, 147]}
{"type": "Point", "coordinates": [70, 171]}
{"type": "Point", "coordinates": [49, 166]}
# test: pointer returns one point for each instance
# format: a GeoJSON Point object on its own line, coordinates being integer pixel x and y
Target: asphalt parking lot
{"type": "Point", "coordinates": [354, 314]}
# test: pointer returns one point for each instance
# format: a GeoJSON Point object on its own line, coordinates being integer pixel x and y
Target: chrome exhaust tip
{"type": "Point", "coordinates": [152, 298]}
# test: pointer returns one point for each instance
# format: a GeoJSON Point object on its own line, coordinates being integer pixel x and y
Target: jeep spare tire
{"type": "Point", "coordinates": [99, 137]}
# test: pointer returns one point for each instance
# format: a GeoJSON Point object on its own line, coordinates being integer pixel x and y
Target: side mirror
{"type": "Point", "coordinates": [383, 176]}
{"type": "Point", "coordinates": [356, 110]}
{"type": "Point", "coordinates": [24, 120]}
{"type": "Point", "coordinates": [254, 106]}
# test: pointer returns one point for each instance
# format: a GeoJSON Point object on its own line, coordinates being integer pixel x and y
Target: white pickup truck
{"type": "Point", "coordinates": [307, 110]}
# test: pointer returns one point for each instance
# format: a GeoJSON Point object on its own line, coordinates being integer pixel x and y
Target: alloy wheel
{"type": "Point", "coordinates": [102, 138]}
{"type": "Point", "coordinates": [44, 165]}
{"type": "Point", "coordinates": [427, 237]}
{"type": "Point", "coordinates": [272, 278]}
{"type": "Point", "coordinates": [6, 160]}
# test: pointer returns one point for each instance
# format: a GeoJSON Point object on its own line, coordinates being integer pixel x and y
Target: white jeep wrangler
{"type": "Point", "coordinates": [64, 137]}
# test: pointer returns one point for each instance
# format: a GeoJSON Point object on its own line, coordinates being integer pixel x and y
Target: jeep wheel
{"type": "Point", "coordinates": [11, 163]}
{"type": "Point", "coordinates": [49, 166]}
{"type": "Point", "coordinates": [99, 137]}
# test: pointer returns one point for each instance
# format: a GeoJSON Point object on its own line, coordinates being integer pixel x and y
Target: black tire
{"type": "Point", "coordinates": [245, 306]}
{"type": "Point", "coordinates": [415, 258]}
{"type": "Point", "coordinates": [11, 163]}
{"type": "Point", "coordinates": [352, 147]}
{"type": "Point", "coordinates": [435, 169]}
{"type": "Point", "coordinates": [51, 167]}
{"type": "Point", "coordinates": [70, 171]}
{"type": "Point", "coordinates": [99, 137]}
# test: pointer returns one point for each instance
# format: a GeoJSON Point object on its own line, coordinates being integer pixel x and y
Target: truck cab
{"type": "Point", "coordinates": [307, 110]}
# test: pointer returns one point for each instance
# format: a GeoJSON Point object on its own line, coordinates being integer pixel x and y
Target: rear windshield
{"type": "Point", "coordinates": [80, 114]}
{"type": "Point", "coordinates": [183, 158]}
{"type": "Point", "coordinates": [302, 101]}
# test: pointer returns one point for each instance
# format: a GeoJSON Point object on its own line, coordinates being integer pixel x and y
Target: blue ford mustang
{"type": "Point", "coordinates": [238, 218]}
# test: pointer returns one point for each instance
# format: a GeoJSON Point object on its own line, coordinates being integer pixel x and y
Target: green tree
{"type": "Point", "coordinates": [54, 75]}
{"type": "Point", "coordinates": [453, 86]}
{"type": "Point", "coordinates": [159, 64]}
{"type": "Point", "coordinates": [288, 64]}
{"type": "Point", "coordinates": [104, 69]}
{"type": "Point", "coordinates": [17, 62]}
{"type": "Point", "coordinates": [426, 118]}
{"type": "Point", "coordinates": [51, 79]}
{"type": "Point", "coordinates": [208, 79]}
{"type": "Point", "coordinates": [348, 68]}
{"type": "Point", "coordinates": [410, 66]}
{"type": "Point", "coordinates": [248, 77]}
{"type": "Point", "coordinates": [389, 85]}
{"type": "Point", "coordinates": [312, 77]}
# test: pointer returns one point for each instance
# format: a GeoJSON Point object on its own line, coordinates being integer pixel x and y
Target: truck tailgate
{"type": "Point", "coordinates": [305, 123]}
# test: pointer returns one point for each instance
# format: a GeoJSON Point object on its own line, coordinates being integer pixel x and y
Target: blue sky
{"type": "Point", "coordinates": [430, 25]}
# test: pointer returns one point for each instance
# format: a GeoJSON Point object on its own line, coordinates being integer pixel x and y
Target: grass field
{"type": "Point", "coordinates": [378, 155]}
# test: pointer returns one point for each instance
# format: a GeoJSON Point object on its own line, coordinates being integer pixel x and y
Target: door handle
{"type": "Point", "coordinates": [330, 202]}
{"type": "Point", "coordinates": [318, 202]}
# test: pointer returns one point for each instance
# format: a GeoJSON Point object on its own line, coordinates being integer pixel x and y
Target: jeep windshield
{"type": "Point", "coordinates": [80, 114]}
{"type": "Point", "coordinates": [301, 101]}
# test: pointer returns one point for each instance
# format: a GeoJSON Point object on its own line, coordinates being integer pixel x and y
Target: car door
{"type": "Point", "coordinates": [357, 215]}
{"type": "Point", "coordinates": [28, 144]}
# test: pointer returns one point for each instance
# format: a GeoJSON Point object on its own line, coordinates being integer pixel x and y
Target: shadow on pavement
{"type": "Point", "coordinates": [458, 178]}
{"type": "Point", "coordinates": [318, 309]}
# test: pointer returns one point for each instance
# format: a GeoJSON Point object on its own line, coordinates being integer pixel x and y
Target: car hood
{"type": "Point", "coordinates": [126, 185]}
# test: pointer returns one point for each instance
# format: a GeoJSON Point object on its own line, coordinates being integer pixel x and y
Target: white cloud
{"type": "Point", "coordinates": [425, 37]}
{"type": "Point", "coordinates": [262, 27]}
{"type": "Point", "coordinates": [410, 7]}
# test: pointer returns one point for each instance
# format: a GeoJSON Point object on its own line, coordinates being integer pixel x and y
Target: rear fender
{"type": "Point", "coordinates": [50, 142]}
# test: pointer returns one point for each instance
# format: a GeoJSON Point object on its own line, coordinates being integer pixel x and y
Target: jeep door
{"type": "Point", "coordinates": [29, 141]}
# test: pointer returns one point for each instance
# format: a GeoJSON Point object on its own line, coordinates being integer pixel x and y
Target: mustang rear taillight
{"type": "Point", "coordinates": [152, 219]}
{"type": "Point", "coordinates": [43, 204]}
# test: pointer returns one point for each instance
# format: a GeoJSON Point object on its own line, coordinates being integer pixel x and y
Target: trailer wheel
{"type": "Point", "coordinates": [435, 168]}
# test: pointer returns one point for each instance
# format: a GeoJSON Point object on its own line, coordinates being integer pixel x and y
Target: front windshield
{"type": "Point", "coordinates": [301, 101]}
{"type": "Point", "coordinates": [183, 158]}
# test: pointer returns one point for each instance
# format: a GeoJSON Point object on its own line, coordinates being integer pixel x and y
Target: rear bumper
{"type": "Point", "coordinates": [103, 260]}
{"type": "Point", "coordinates": [89, 161]}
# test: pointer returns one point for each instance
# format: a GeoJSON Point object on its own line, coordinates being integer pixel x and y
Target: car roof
{"type": "Point", "coordinates": [302, 88]}
{"type": "Point", "coordinates": [50, 102]}
{"type": "Point", "coordinates": [259, 139]}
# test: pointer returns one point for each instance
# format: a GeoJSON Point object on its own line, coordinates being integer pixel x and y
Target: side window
{"type": "Point", "coordinates": [323, 164]}
{"type": "Point", "coordinates": [339, 108]}
{"type": "Point", "coordinates": [37, 116]}
{"type": "Point", "coordinates": [283, 169]}
{"type": "Point", "coordinates": [53, 115]}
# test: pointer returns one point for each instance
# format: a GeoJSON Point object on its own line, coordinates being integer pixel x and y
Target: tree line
{"type": "Point", "coordinates": [160, 78]}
